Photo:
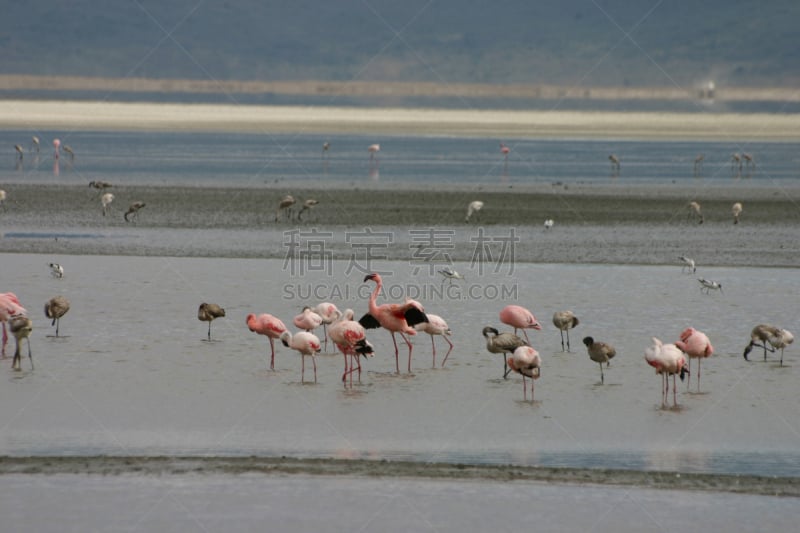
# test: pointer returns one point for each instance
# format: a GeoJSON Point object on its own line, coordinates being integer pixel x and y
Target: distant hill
{"type": "Point", "coordinates": [567, 42]}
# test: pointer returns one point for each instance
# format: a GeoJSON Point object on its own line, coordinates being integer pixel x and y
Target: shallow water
{"type": "Point", "coordinates": [135, 375]}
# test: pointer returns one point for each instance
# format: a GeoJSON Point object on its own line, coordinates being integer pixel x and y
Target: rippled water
{"type": "Point", "coordinates": [135, 375]}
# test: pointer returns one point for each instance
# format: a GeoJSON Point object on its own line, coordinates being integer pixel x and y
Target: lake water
{"type": "Point", "coordinates": [212, 159]}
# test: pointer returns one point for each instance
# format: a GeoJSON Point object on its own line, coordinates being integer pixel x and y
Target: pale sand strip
{"type": "Point", "coordinates": [114, 116]}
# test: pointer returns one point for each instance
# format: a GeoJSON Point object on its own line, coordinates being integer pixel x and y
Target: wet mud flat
{"type": "Point", "coordinates": [607, 224]}
{"type": "Point", "coordinates": [282, 466]}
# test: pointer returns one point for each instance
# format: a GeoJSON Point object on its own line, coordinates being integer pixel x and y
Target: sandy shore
{"type": "Point", "coordinates": [111, 465]}
{"type": "Point", "coordinates": [114, 116]}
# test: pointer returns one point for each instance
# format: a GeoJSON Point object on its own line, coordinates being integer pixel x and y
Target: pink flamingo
{"type": "Point", "coordinates": [9, 308]}
{"type": "Point", "coordinates": [668, 360]}
{"type": "Point", "coordinates": [270, 326]}
{"type": "Point", "coordinates": [351, 339]}
{"type": "Point", "coordinates": [695, 344]}
{"type": "Point", "coordinates": [397, 318]}
{"type": "Point", "coordinates": [526, 361]}
{"type": "Point", "coordinates": [57, 148]}
{"type": "Point", "coordinates": [306, 344]}
{"type": "Point", "coordinates": [329, 314]}
{"type": "Point", "coordinates": [373, 149]}
{"type": "Point", "coordinates": [436, 325]}
{"type": "Point", "coordinates": [505, 150]}
{"type": "Point", "coordinates": [518, 317]}
{"type": "Point", "coordinates": [308, 320]}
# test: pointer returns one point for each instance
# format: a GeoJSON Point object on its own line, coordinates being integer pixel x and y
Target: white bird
{"type": "Point", "coordinates": [436, 325]}
{"type": "Point", "coordinates": [450, 273]}
{"type": "Point", "coordinates": [106, 200]}
{"type": "Point", "coordinates": [329, 314]}
{"type": "Point", "coordinates": [668, 360]}
{"type": "Point", "coordinates": [694, 209]}
{"type": "Point", "coordinates": [56, 270]}
{"type": "Point", "coordinates": [285, 205]}
{"type": "Point", "coordinates": [688, 262]}
{"type": "Point", "coordinates": [373, 149]}
{"type": "Point", "coordinates": [737, 210]}
{"type": "Point", "coordinates": [565, 321]}
{"type": "Point", "coordinates": [709, 285]}
{"type": "Point", "coordinates": [548, 223]}
{"type": "Point", "coordinates": [35, 144]}
{"type": "Point", "coordinates": [472, 209]}
{"type": "Point", "coordinates": [304, 343]}
{"type": "Point", "coordinates": [776, 337]}
{"type": "Point", "coordinates": [526, 361]}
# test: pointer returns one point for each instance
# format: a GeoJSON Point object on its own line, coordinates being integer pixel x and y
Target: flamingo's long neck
{"type": "Point", "coordinates": [373, 298]}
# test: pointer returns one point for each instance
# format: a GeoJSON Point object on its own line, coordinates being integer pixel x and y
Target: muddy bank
{"type": "Point", "coordinates": [159, 466]}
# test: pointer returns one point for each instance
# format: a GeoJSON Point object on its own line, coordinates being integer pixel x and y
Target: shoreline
{"type": "Point", "coordinates": [102, 465]}
{"type": "Point", "coordinates": [137, 116]}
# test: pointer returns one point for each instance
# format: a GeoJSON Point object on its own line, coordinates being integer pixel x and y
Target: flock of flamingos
{"type": "Point", "coordinates": [408, 318]}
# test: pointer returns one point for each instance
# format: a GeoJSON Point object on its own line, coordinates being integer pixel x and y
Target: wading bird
{"type": "Point", "coordinates": [208, 312]}
{"type": "Point", "coordinates": [473, 209]}
{"type": "Point", "coordinates": [548, 223]}
{"type": "Point", "coordinates": [56, 270]}
{"type": "Point", "coordinates": [709, 285]}
{"type": "Point", "coordinates": [436, 325]}
{"type": "Point", "coordinates": [70, 152]}
{"type": "Point", "coordinates": [55, 308]}
{"type": "Point", "coordinates": [373, 150]}
{"type": "Point", "coordinates": [9, 308]}
{"type": "Point", "coordinates": [21, 327]}
{"type": "Point", "coordinates": [307, 206]}
{"type": "Point", "coordinates": [736, 161]}
{"type": "Point", "coordinates": [99, 185]}
{"type": "Point", "coordinates": [106, 200]}
{"type": "Point", "coordinates": [696, 345]}
{"type": "Point", "coordinates": [3, 196]}
{"type": "Point", "coordinates": [736, 210]}
{"type": "Point", "coordinates": [565, 321]}
{"type": "Point", "coordinates": [698, 163]}
{"type": "Point", "coordinates": [35, 144]}
{"type": "Point", "coordinates": [694, 211]}
{"type": "Point", "coordinates": [329, 314]}
{"type": "Point", "coordinates": [133, 211]}
{"type": "Point", "coordinates": [304, 343]}
{"type": "Point", "coordinates": [285, 205]}
{"type": "Point", "coordinates": [688, 264]}
{"type": "Point", "coordinates": [20, 151]}
{"type": "Point", "coordinates": [396, 318]}
{"type": "Point", "coordinates": [272, 327]}
{"type": "Point", "coordinates": [526, 361]}
{"type": "Point", "coordinates": [600, 352]}
{"type": "Point", "coordinates": [615, 164]}
{"type": "Point", "coordinates": [351, 339]}
{"type": "Point", "coordinates": [748, 161]}
{"type": "Point", "coordinates": [776, 337]}
{"type": "Point", "coordinates": [325, 147]}
{"type": "Point", "coordinates": [448, 273]}
{"type": "Point", "coordinates": [56, 148]}
{"type": "Point", "coordinates": [668, 360]}
{"type": "Point", "coordinates": [307, 320]}
{"type": "Point", "coordinates": [504, 343]}
{"type": "Point", "coordinates": [518, 317]}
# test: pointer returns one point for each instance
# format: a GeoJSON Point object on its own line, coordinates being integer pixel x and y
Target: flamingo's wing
{"type": "Point", "coordinates": [414, 316]}
{"type": "Point", "coordinates": [369, 321]}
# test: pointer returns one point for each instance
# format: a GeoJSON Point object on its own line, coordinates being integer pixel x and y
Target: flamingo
{"type": "Point", "coordinates": [307, 320]}
{"type": "Point", "coordinates": [19, 150]}
{"type": "Point", "coordinates": [68, 150]}
{"type": "Point", "coordinates": [518, 317]}
{"type": "Point", "coordinates": [9, 308]}
{"type": "Point", "coordinates": [35, 144]}
{"type": "Point", "coordinates": [329, 314]}
{"type": "Point", "coordinates": [304, 343]}
{"type": "Point", "coordinates": [526, 361]}
{"type": "Point", "coordinates": [285, 205]}
{"type": "Point", "coordinates": [272, 327]}
{"type": "Point", "coordinates": [776, 337]}
{"type": "Point", "coordinates": [668, 360]}
{"type": "Point", "coordinates": [694, 210]}
{"type": "Point", "coordinates": [736, 159]}
{"type": "Point", "coordinates": [688, 263]}
{"type": "Point", "coordinates": [106, 200]}
{"type": "Point", "coordinates": [55, 308]}
{"type": "Point", "coordinates": [56, 270]}
{"type": "Point", "coordinates": [505, 150]}
{"type": "Point", "coordinates": [397, 318]}
{"type": "Point", "coordinates": [709, 285]}
{"type": "Point", "coordinates": [599, 352]}
{"type": "Point", "coordinates": [472, 209]}
{"type": "Point", "coordinates": [615, 164]}
{"type": "Point", "coordinates": [99, 185]}
{"type": "Point", "coordinates": [208, 312]}
{"type": "Point", "coordinates": [504, 343]}
{"type": "Point", "coordinates": [351, 339]}
{"type": "Point", "coordinates": [373, 149]}
{"type": "Point", "coordinates": [56, 148]}
{"type": "Point", "coordinates": [436, 325]}
{"type": "Point", "coordinates": [736, 210]}
{"type": "Point", "coordinates": [696, 345]}
{"type": "Point", "coordinates": [325, 147]}
{"type": "Point", "coordinates": [748, 161]}
{"type": "Point", "coordinates": [307, 206]}
{"type": "Point", "coordinates": [21, 327]}
{"type": "Point", "coordinates": [449, 273]}
{"type": "Point", "coordinates": [3, 199]}
{"type": "Point", "coordinates": [565, 321]}
{"type": "Point", "coordinates": [133, 209]}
